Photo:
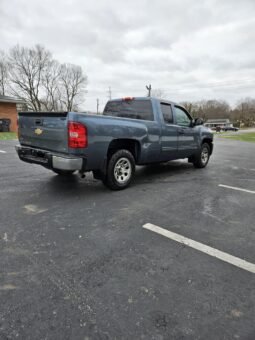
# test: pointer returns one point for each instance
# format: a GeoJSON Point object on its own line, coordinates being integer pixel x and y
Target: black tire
{"type": "Point", "coordinates": [201, 159]}
{"type": "Point", "coordinates": [63, 172]}
{"type": "Point", "coordinates": [120, 170]}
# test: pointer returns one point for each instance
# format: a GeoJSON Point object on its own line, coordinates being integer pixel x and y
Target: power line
{"type": "Point", "coordinates": [245, 83]}
{"type": "Point", "coordinates": [213, 85]}
{"type": "Point", "coordinates": [229, 85]}
{"type": "Point", "coordinates": [194, 89]}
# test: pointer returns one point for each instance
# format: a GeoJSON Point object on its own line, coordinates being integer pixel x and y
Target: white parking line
{"type": "Point", "coordinates": [235, 261]}
{"type": "Point", "coordinates": [235, 188]}
{"type": "Point", "coordinates": [1, 151]}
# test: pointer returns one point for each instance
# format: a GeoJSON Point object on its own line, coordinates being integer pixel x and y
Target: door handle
{"type": "Point", "coordinates": [38, 121]}
{"type": "Point", "coordinates": [181, 131]}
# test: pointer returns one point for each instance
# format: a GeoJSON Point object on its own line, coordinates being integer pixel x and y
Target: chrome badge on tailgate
{"type": "Point", "coordinates": [38, 131]}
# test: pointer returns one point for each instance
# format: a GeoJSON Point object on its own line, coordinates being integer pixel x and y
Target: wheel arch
{"type": "Point", "coordinates": [209, 141]}
{"type": "Point", "coordinates": [132, 145]}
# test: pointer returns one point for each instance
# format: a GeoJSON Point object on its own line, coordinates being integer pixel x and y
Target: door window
{"type": "Point", "coordinates": [182, 118]}
{"type": "Point", "coordinates": [167, 113]}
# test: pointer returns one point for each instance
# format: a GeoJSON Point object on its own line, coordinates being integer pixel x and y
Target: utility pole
{"type": "Point", "coordinates": [110, 93]}
{"type": "Point", "coordinates": [97, 106]}
{"type": "Point", "coordinates": [149, 90]}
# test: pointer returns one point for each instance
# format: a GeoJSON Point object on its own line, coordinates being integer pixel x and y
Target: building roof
{"type": "Point", "coordinates": [6, 99]}
{"type": "Point", "coordinates": [222, 120]}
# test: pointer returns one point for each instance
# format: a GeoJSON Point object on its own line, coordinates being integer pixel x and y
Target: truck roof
{"type": "Point", "coordinates": [146, 98]}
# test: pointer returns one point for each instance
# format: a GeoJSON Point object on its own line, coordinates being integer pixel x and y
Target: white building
{"type": "Point", "coordinates": [213, 123]}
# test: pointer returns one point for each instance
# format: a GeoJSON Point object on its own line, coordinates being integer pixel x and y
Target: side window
{"type": "Point", "coordinates": [181, 117]}
{"type": "Point", "coordinates": [167, 113]}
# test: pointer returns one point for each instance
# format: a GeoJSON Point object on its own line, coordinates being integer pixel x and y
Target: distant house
{"type": "Point", "coordinates": [213, 123]}
{"type": "Point", "coordinates": [8, 110]}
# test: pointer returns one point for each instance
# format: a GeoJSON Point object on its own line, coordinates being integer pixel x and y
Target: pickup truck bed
{"type": "Point", "coordinates": [139, 130]}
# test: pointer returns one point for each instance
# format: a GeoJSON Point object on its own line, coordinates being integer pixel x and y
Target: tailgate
{"type": "Point", "coordinates": [44, 130]}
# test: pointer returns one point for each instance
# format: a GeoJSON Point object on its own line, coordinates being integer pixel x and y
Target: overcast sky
{"type": "Point", "coordinates": [190, 49]}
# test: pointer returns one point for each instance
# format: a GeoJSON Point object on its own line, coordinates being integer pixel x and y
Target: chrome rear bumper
{"type": "Point", "coordinates": [48, 159]}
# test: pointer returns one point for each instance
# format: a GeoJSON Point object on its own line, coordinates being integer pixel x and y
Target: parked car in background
{"type": "Point", "coordinates": [230, 128]}
{"type": "Point", "coordinates": [5, 124]}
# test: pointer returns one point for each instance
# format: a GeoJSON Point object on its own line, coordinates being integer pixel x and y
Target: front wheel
{"type": "Point", "coordinates": [120, 170]}
{"type": "Point", "coordinates": [203, 156]}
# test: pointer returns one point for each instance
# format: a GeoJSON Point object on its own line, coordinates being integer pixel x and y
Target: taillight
{"type": "Point", "coordinates": [77, 135]}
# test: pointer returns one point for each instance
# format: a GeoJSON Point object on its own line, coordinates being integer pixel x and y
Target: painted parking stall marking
{"type": "Point", "coordinates": [236, 188]}
{"type": "Point", "coordinates": [235, 261]}
{"type": "Point", "coordinates": [1, 151]}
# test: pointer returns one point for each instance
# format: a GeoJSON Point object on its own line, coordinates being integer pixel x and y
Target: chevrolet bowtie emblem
{"type": "Point", "coordinates": [38, 131]}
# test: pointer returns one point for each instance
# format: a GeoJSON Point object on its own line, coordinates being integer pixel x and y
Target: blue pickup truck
{"type": "Point", "coordinates": [131, 131]}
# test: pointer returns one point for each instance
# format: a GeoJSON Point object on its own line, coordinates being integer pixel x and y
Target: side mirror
{"type": "Point", "coordinates": [198, 121]}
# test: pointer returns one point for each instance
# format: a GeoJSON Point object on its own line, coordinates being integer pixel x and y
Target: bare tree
{"type": "Point", "coordinates": [208, 109]}
{"type": "Point", "coordinates": [4, 75]}
{"type": "Point", "coordinates": [242, 115]}
{"type": "Point", "coordinates": [72, 86]}
{"type": "Point", "coordinates": [27, 66]}
{"type": "Point", "coordinates": [50, 82]}
{"type": "Point", "coordinates": [191, 107]}
{"type": "Point", "coordinates": [42, 82]}
{"type": "Point", "coordinates": [215, 109]}
{"type": "Point", "coordinates": [158, 93]}
{"type": "Point", "coordinates": [244, 112]}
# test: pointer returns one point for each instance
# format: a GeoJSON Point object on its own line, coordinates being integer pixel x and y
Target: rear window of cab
{"type": "Point", "coordinates": [134, 109]}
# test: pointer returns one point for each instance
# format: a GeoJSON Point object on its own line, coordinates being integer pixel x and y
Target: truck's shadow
{"type": "Point", "coordinates": [75, 185]}
{"type": "Point", "coordinates": [156, 171]}
{"type": "Point", "coordinates": [144, 174]}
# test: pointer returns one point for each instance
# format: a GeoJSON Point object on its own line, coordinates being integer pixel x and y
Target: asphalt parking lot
{"type": "Point", "coordinates": [76, 262]}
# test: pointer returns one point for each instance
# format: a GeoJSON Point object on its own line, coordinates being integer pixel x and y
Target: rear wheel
{"type": "Point", "coordinates": [202, 158]}
{"type": "Point", "coordinates": [120, 170]}
{"type": "Point", "coordinates": [63, 172]}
